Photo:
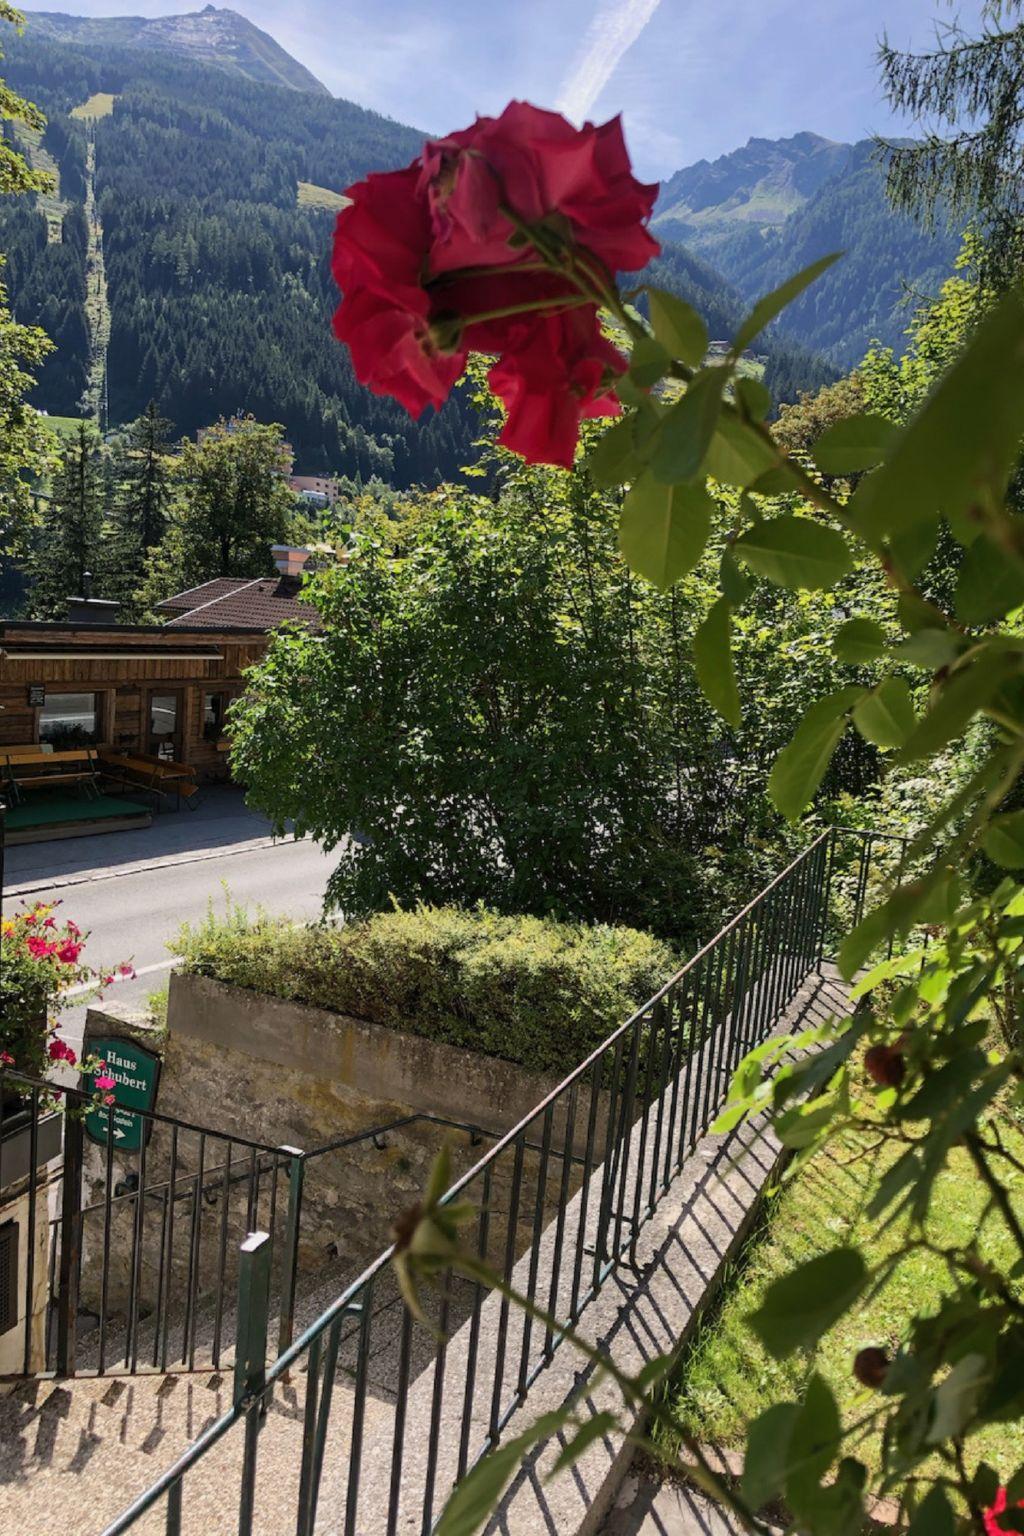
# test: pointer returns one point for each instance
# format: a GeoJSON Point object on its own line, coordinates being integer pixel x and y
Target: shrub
{"type": "Point", "coordinates": [527, 989]}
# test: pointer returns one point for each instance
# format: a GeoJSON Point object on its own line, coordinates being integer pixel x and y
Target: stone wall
{"type": "Point", "coordinates": [285, 1075]}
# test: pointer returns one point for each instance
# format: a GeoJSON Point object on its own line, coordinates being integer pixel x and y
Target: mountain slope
{"type": "Point", "coordinates": [211, 36]}
{"type": "Point", "coordinates": [761, 184]}
{"type": "Point", "coordinates": [769, 209]}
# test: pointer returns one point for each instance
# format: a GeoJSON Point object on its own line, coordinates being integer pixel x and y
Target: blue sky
{"type": "Point", "coordinates": [693, 78]}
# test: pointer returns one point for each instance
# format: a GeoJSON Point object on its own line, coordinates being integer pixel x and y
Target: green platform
{"type": "Point", "coordinates": [47, 814]}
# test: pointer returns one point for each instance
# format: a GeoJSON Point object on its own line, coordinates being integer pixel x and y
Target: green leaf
{"type": "Point", "coordinates": [592, 1429]}
{"type": "Point", "coordinates": [752, 395]}
{"type": "Point", "coordinates": [959, 700]}
{"type": "Point", "coordinates": [663, 529]}
{"type": "Point", "coordinates": [991, 583]}
{"type": "Point", "coordinates": [1004, 840]}
{"type": "Point", "coordinates": [735, 586]}
{"type": "Point", "coordinates": [963, 444]}
{"type": "Point", "coordinates": [650, 361]}
{"type": "Point", "coordinates": [795, 552]}
{"type": "Point", "coordinates": [932, 649]}
{"type": "Point", "coordinates": [687, 429]}
{"type": "Point", "coordinates": [712, 659]}
{"type": "Point", "coordinates": [613, 459]}
{"type": "Point", "coordinates": [933, 1516]}
{"type": "Point", "coordinates": [859, 640]}
{"type": "Point", "coordinates": [766, 309]}
{"type": "Point", "coordinates": [911, 550]}
{"type": "Point", "coordinates": [678, 327]}
{"type": "Point", "coordinates": [813, 1442]}
{"type": "Point", "coordinates": [957, 1397]}
{"type": "Point", "coordinates": [475, 1497]}
{"type": "Point", "coordinates": [885, 716]}
{"type": "Point", "coordinates": [800, 767]}
{"type": "Point", "coordinates": [739, 454]}
{"type": "Point", "coordinates": [802, 1305]}
{"type": "Point", "coordinates": [764, 1466]}
{"type": "Point", "coordinates": [853, 445]}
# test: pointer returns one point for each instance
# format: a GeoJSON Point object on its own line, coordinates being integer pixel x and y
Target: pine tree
{"type": "Point", "coordinates": [69, 539]}
{"type": "Point", "coordinates": [968, 96]}
{"type": "Point", "coordinates": [142, 475]}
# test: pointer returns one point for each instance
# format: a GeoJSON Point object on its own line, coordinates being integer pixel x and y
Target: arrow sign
{"type": "Point", "coordinates": [136, 1074]}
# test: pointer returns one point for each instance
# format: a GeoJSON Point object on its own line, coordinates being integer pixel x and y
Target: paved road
{"type": "Point", "coordinates": [134, 890]}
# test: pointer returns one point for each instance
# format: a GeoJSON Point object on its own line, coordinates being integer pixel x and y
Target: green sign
{"type": "Point", "coordinates": [136, 1073]}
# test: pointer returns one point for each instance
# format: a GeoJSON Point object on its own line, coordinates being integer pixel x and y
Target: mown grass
{"type": "Point", "coordinates": [99, 104]}
{"type": "Point", "coordinates": [312, 196]}
{"type": "Point", "coordinates": [727, 1378]}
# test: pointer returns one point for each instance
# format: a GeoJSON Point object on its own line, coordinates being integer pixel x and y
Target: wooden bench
{"type": "Point", "coordinates": [24, 768]}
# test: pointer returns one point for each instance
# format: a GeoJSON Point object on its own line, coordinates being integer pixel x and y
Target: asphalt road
{"type": "Point", "coordinates": [132, 911]}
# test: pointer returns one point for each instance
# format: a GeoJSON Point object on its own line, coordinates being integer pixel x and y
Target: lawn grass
{"type": "Point", "coordinates": [99, 104]}
{"type": "Point", "coordinates": [726, 1378]}
{"type": "Point", "coordinates": [312, 196]}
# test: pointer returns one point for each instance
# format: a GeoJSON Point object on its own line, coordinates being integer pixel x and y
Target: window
{"type": "Point", "coordinates": [213, 716]}
{"type": "Point", "coordinates": [69, 720]}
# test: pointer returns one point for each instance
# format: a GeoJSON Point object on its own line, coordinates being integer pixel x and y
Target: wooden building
{"type": "Point", "coordinates": [156, 690]}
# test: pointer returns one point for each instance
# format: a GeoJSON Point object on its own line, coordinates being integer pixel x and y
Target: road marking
{"type": "Point", "coordinates": [35, 883]}
{"type": "Point", "coordinates": [143, 970]}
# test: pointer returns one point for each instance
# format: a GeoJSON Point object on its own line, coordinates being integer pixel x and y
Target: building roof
{"type": "Point", "coordinates": [256, 605]}
{"type": "Point", "coordinates": [193, 597]}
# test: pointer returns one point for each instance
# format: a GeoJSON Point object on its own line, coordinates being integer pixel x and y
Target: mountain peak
{"type": "Point", "coordinates": [215, 35]}
{"type": "Point", "coordinates": [760, 184]}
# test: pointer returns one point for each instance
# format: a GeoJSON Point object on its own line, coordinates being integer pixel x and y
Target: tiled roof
{"type": "Point", "coordinates": [220, 586]}
{"type": "Point", "coordinates": [257, 605]}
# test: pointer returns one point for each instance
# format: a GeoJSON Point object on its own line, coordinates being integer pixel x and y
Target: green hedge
{"type": "Point", "coordinates": [530, 990]}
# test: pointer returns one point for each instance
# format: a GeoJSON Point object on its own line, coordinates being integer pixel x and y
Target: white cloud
{"type": "Point", "coordinates": [614, 29]}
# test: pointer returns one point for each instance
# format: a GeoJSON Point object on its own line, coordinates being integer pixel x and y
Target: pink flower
{"type": "Point", "coordinates": [73, 929]}
{"type": "Point", "coordinates": [108, 1098]}
{"type": "Point", "coordinates": [39, 948]}
{"type": "Point", "coordinates": [60, 1051]}
{"type": "Point", "coordinates": [50, 923]}
{"type": "Point", "coordinates": [127, 970]}
{"type": "Point", "coordinates": [106, 980]}
{"type": "Point", "coordinates": [104, 1081]}
{"type": "Point", "coordinates": [69, 952]}
{"type": "Point", "coordinates": [6, 1059]}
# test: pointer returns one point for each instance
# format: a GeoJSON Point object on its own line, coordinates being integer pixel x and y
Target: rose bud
{"type": "Point", "coordinates": [871, 1366]}
{"type": "Point", "coordinates": [886, 1065]}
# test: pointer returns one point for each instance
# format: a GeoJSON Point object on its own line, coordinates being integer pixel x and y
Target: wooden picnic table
{"type": "Point", "coordinates": [24, 769]}
{"type": "Point", "coordinates": [158, 775]}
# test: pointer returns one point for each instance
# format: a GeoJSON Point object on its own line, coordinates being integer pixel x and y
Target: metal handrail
{"type": "Point", "coordinates": [663, 1072]}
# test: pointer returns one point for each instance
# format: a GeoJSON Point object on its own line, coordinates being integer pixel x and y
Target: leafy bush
{"type": "Point", "coordinates": [526, 989]}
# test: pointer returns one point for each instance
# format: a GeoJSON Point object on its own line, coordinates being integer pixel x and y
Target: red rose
{"type": "Point", "coordinates": [394, 351]}
{"type": "Point", "coordinates": [562, 372]}
{"type": "Point", "coordinates": [381, 240]}
{"type": "Point", "coordinates": [992, 1526]}
{"type": "Point", "coordinates": [477, 246]}
{"type": "Point", "coordinates": [540, 167]}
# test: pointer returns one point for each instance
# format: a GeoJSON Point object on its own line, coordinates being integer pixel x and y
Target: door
{"type": "Point", "coordinates": [164, 729]}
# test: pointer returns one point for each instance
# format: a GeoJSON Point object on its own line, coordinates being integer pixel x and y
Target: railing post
{"type": "Point", "coordinates": [290, 1255]}
{"type": "Point", "coordinates": [826, 896]}
{"type": "Point", "coordinates": [251, 1358]}
{"type": "Point", "coordinates": [70, 1244]}
{"type": "Point", "coordinates": [253, 1311]}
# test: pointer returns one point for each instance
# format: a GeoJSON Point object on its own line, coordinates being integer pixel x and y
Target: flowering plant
{"type": "Point", "coordinates": [40, 961]}
{"type": "Point", "coordinates": [506, 238]}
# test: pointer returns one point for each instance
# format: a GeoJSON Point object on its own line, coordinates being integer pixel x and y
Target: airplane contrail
{"type": "Point", "coordinates": [615, 28]}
